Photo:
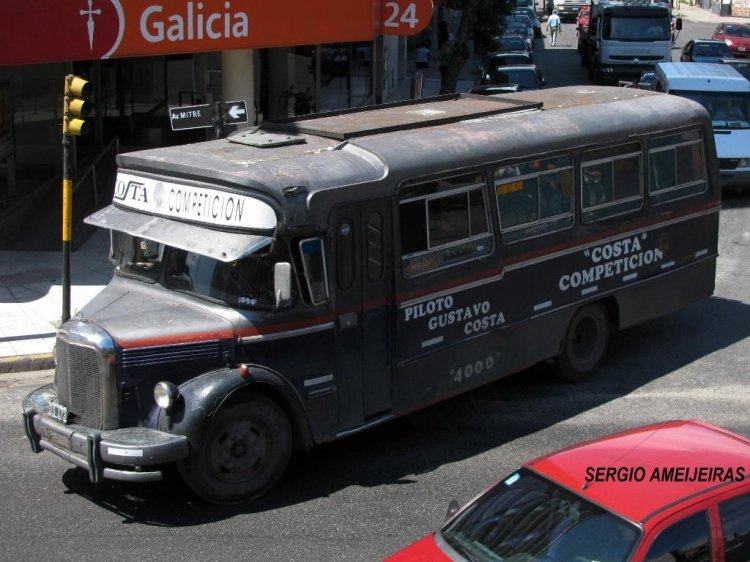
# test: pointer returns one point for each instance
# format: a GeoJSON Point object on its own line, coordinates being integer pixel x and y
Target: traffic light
{"type": "Point", "coordinates": [76, 106]}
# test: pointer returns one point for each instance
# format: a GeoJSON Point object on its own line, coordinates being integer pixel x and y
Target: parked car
{"type": "Point", "coordinates": [705, 50]}
{"type": "Point", "coordinates": [670, 492]}
{"type": "Point", "coordinates": [535, 21]}
{"type": "Point", "coordinates": [526, 77]}
{"type": "Point", "coordinates": [509, 43]}
{"type": "Point", "coordinates": [506, 58]}
{"type": "Point", "coordinates": [736, 36]}
{"type": "Point", "coordinates": [523, 30]}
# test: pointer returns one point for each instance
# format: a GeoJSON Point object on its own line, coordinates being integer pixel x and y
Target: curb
{"type": "Point", "coordinates": [21, 363]}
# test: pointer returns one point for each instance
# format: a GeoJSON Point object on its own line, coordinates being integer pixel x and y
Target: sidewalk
{"type": "Point", "coordinates": [431, 84]}
{"type": "Point", "coordinates": [697, 14]}
{"type": "Point", "coordinates": [31, 299]}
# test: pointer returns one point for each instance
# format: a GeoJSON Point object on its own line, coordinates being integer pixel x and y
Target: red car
{"type": "Point", "coordinates": [671, 492]}
{"type": "Point", "coordinates": [582, 21]}
{"type": "Point", "coordinates": [736, 35]}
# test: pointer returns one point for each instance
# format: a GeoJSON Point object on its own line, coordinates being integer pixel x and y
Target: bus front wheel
{"type": "Point", "coordinates": [244, 452]}
{"type": "Point", "coordinates": [584, 345]}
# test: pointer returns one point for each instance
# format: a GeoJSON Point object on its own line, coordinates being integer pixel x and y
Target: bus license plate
{"type": "Point", "coordinates": [58, 412]}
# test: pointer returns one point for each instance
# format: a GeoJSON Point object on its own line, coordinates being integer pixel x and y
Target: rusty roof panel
{"type": "Point", "coordinates": [412, 114]}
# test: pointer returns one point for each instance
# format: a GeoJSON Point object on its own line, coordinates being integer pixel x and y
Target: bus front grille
{"type": "Point", "coordinates": [85, 379]}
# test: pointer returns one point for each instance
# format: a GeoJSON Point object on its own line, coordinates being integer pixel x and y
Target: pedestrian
{"type": "Point", "coordinates": [423, 58]}
{"type": "Point", "coordinates": [446, 54]}
{"type": "Point", "coordinates": [553, 27]}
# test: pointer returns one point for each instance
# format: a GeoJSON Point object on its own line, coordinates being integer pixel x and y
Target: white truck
{"type": "Point", "coordinates": [625, 38]}
{"type": "Point", "coordinates": [568, 9]}
{"type": "Point", "coordinates": [725, 93]}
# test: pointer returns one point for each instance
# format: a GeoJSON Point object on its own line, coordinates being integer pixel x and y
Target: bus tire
{"type": "Point", "coordinates": [244, 452]}
{"type": "Point", "coordinates": [585, 344]}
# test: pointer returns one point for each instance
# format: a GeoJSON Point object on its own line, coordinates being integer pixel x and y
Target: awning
{"type": "Point", "coordinates": [218, 244]}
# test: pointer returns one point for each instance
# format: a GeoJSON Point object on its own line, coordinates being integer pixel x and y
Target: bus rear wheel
{"type": "Point", "coordinates": [244, 452]}
{"type": "Point", "coordinates": [584, 345]}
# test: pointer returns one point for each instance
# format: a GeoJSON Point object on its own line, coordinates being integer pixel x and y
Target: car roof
{"type": "Point", "coordinates": [690, 444]}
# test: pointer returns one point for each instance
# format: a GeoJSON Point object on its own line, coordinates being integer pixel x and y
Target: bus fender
{"type": "Point", "coordinates": [201, 397]}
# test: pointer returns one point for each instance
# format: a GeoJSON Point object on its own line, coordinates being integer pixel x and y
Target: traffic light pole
{"type": "Point", "coordinates": [67, 219]}
{"type": "Point", "coordinates": [75, 109]}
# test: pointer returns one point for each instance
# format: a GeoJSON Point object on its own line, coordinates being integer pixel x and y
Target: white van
{"type": "Point", "coordinates": [725, 93]}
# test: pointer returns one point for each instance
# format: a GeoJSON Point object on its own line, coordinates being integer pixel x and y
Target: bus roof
{"type": "Point", "coordinates": [406, 141]}
{"type": "Point", "coordinates": [701, 76]}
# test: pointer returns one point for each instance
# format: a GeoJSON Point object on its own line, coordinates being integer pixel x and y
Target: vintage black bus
{"type": "Point", "coordinates": [311, 278]}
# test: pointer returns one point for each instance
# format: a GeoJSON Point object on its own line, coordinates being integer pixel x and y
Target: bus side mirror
{"type": "Point", "coordinates": [282, 282]}
{"type": "Point", "coordinates": [678, 24]}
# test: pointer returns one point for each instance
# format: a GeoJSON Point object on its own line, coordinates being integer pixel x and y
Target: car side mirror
{"type": "Point", "coordinates": [453, 507]}
{"type": "Point", "coordinates": [282, 282]}
{"type": "Point", "coordinates": [678, 24]}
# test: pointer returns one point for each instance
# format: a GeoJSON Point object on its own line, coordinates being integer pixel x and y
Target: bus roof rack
{"type": "Point", "coordinates": [398, 116]}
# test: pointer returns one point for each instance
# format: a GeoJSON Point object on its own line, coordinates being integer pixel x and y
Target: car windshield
{"type": "Point", "coordinates": [526, 517]}
{"type": "Point", "coordinates": [738, 31]}
{"type": "Point", "coordinates": [728, 111]}
{"type": "Point", "coordinates": [525, 78]}
{"type": "Point", "coordinates": [636, 28]}
{"type": "Point", "coordinates": [506, 60]}
{"type": "Point", "coordinates": [244, 283]}
{"type": "Point", "coordinates": [712, 50]}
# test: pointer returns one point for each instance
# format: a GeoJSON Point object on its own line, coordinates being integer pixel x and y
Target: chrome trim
{"type": "Point", "coordinates": [368, 425]}
{"type": "Point", "coordinates": [288, 333]}
{"type": "Point", "coordinates": [85, 335]}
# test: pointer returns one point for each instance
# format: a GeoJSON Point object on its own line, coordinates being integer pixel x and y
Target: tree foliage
{"type": "Point", "coordinates": [480, 21]}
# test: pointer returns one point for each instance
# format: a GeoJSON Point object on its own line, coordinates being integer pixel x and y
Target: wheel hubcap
{"type": "Point", "coordinates": [237, 451]}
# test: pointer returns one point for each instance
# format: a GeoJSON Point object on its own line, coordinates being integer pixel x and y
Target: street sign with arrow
{"type": "Point", "coordinates": [236, 112]}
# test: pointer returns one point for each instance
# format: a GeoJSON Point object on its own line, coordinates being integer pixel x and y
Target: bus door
{"type": "Point", "coordinates": [361, 286]}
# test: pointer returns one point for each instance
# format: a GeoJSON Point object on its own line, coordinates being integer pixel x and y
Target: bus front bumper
{"type": "Point", "coordinates": [119, 454]}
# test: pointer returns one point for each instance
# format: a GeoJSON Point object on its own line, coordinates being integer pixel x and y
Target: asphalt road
{"type": "Point", "coordinates": [366, 496]}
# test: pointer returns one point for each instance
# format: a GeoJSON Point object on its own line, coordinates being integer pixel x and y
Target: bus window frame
{"type": "Point", "coordinates": [421, 262]}
{"type": "Point", "coordinates": [308, 274]}
{"type": "Point", "coordinates": [593, 213]}
{"type": "Point", "coordinates": [541, 225]}
{"type": "Point", "coordinates": [677, 191]}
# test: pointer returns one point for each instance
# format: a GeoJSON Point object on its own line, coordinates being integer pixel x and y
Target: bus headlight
{"type": "Point", "coordinates": [165, 393]}
{"type": "Point", "coordinates": [743, 163]}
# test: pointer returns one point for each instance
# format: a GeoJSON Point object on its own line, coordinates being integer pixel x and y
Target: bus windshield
{"type": "Point", "coordinates": [636, 28]}
{"type": "Point", "coordinates": [244, 283]}
{"type": "Point", "coordinates": [728, 110]}
{"type": "Point", "coordinates": [526, 517]}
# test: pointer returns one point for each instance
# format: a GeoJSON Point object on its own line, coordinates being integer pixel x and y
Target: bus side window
{"type": "Point", "coordinates": [345, 245]}
{"type": "Point", "coordinates": [676, 167]}
{"type": "Point", "coordinates": [534, 197]}
{"type": "Point", "coordinates": [443, 222]}
{"type": "Point", "coordinates": [314, 268]}
{"type": "Point", "coordinates": [611, 182]}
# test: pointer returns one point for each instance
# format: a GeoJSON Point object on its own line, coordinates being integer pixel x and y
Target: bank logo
{"type": "Point", "coordinates": [104, 22]}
